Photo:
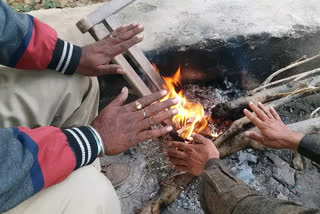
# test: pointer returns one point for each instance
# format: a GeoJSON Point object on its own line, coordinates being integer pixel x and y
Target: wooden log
{"type": "Point", "coordinates": [233, 110]}
{"type": "Point", "coordinates": [108, 9]}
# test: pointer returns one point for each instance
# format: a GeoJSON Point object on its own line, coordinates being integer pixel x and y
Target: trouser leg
{"type": "Point", "coordinates": [41, 98]}
{"type": "Point", "coordinates": [223, 193]}
{"type": "Point", "coordinates": [85, 191]}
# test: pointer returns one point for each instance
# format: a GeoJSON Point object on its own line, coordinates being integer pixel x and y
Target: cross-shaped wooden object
{"type": "Point", "coordinates": [99, 26]}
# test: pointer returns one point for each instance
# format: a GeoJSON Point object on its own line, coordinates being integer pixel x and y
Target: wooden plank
{"type": "Point", "coordinates": [101, 13]}
{"type": "Point", "coordinates": [130, 75]}
{"type": "Point", "coordinates": [139, 59]}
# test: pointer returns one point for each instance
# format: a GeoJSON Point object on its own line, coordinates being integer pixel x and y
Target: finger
{"type": "Point", "coordinates": [158, 107]}
{"type": "Point", "coordinates": [177, 161]}
{"type": "Point", "coordinates": [130, 33]}
{"type": "Point", "coordinates": [109, 69]}
{"type": "Point", "coordinates": [156, 119]}
{"type": "Point", "coordinates": [260, 113]}
{"type": "Point", "coordinates": [154, 133]}
{"type": "Point", "coordinates": [266, 110]}
{"type": "Point", "coordinates": [181, 146]}
{"type": "Point", "coordinates": [121, 98]}
{"type": "Point", "coordinates": [125, 45]}
{"type": "Point", "coordinates": [173, 153]}
{"type": "Point", "coordinates": [125, 28]}
{"type": "Point", "coordinates": [275, 114]}
{"type": "Point", "coordinates": [200, 139]}
{"type": "Point", "coordinates": [147, 100]}
{"type": "Point", "coordinates": [254, 119]}
{"type": "Point", "coordinates": [254, 136]}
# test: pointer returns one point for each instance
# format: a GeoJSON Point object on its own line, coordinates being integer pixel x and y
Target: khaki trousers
{"type": "Point", "coordinates": [41, 98]}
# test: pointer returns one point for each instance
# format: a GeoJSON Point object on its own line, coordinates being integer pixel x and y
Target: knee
{"type": "Point", "coordinates": [95, 193]}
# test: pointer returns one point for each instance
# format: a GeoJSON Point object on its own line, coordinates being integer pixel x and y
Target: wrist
{"type": "Point", "coordinates": [293, 140]}
{"type": "Point", "coordinates": [100, 144]}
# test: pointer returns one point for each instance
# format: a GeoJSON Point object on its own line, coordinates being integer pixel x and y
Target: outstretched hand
{"type": "Point", "coordinates": [95, 58]}
{"type": "Point", "coordinates": [274, 133]}
{"type": "Point", "coordinates": [123, 126]}
{"type": "Point", "coordinates": [192, 157]}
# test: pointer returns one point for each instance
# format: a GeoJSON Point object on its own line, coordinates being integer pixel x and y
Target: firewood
{"type": "Point", "coordinates": [233, 110]}
{"type": "Point", "coordinates": [170, 190]}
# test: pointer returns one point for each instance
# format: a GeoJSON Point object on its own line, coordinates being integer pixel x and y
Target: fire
{"type": "Point", "coordinates": [191, 116]}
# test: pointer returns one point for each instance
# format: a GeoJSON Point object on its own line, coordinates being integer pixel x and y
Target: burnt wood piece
{"type": "Point", "coordinates": [108, 9]}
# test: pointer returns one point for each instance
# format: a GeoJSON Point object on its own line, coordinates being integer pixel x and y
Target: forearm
{"type": "Point", "coordinates": [26, 43]}
{"type": "Point", "coordinates": [310, 147]}
{"type": "Point", "coordinates": [33, 159]}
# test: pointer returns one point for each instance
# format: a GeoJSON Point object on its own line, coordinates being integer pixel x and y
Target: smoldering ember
{"type": "Point", "coordinates": [217, 56]}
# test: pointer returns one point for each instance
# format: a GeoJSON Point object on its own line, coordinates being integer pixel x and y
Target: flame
{"type": "Point", "coordinates": [191, 116]}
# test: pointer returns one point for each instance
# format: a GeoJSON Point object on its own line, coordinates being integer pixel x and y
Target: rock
{"type": "Point", "coordinates": [282, 170]}
{"type": "Point", "coordinates": [282, 197]}
{"type": "Point", "coordinates": [244, 172]}
{"type": "Point", "coordinates": [284, 174]}
{"type": "Point", "coordinates": [245, 156]}
{"type": "Point", "coordinates": [297, 161]}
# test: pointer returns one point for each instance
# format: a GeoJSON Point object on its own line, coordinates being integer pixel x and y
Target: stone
{"type": "Point", "coordinates": [284, 175]}
{"type": "Point", "coordinates": [297, 161]}
{"type": "Point", "coordinates": [282, 197]}
{"type": "Point", "coordinates": [30, 2]}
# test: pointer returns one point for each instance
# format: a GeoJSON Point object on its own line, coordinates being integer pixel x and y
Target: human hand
{"type": "Point", "coordinates": [123, 126]}
{"type": "Point", "coordinates": [95, 58]}
{"type": "Point", "coordinates": [192, 157]}
{"type": "Point", "coordinates": [274, 133]}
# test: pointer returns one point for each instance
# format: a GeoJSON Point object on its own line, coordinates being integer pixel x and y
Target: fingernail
{"type": "Point", "coordinates": [124, 26]}
{"type": "Point", "coordinates": [163, 92]}
{"type": "Point", "coordinates": [123, 89]}
{"type": "Point", "coordinates": [140, 36]}
{"type": "Point", "coordinates": [169, 128]}
{"type": "Point", "coordinates": [134, 23]}
{"type": "Point", "coordinates": [251, 103]}
{"type": "Point", "coordinates": [259, 103]}
{"type": "Point", "coordinates": [245, 110]}
{"type": "Point", "coordinates": [246, 134]}
{"type": "Point", "coordinates": [272, 107]}
{"type": "Point", "coordinates": [140, 26]}
{"type": "Point", "coordinates": [175, 101]}
{"type": "Point", "coordinates": [174, 111]}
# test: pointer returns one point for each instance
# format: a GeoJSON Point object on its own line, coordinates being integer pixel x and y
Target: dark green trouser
{"type": "Point", "coordinates": [223, 193]}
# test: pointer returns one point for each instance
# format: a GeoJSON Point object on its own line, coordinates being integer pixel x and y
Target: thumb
{"type": "Point", "coordinates": [121, 98]}
{"type": "Point", "coordinates": [254, 136]}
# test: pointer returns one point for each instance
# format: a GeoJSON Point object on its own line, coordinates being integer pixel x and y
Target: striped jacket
{"type": "Point", "coordinates": [33, 159]}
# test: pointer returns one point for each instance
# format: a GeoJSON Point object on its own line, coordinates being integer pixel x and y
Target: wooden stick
{"type": "Point", "coordinates": [293, 65]}
{"type": "Point", "coordinates": [103, 12]}
{"type": "Point", "coordinates": [285, 80]}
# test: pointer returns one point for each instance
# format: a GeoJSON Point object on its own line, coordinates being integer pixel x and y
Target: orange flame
{"type": "Point", "coordinates": [191, 116]}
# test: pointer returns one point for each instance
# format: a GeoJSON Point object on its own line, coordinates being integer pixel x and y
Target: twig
{"type": "Point", "coordinates": [135, 189]}
{"type": "Point", "coordinates": [314, 112]}
{"type": "Point", "coordinates": [293, 65]}
{"type": "Point", "coordinates": [294, 78]}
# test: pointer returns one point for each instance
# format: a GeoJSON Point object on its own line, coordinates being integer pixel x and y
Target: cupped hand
{"type": "Point", "coordinates": [95, 58]}
{"type": "Point", "coordinates": [192, 157]}
{"type": "Point", "coordinates": [274, 133]}
{"type": "Point", "coordinates": [123, 126]}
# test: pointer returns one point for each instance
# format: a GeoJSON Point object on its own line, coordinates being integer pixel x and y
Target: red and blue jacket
{"type": "Point", "coordinates": [33, 159]}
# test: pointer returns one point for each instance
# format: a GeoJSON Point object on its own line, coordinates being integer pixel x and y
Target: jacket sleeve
{"type": "Point", "coordinates": [26, 43]}
{"type": "Point", "coordinates": [33, 159]}
{"type": "Point", "coordinates": [310, 147]}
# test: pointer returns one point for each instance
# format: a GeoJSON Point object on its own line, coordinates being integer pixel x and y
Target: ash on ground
{"type": "Point", "coordinates": [276, 173]}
